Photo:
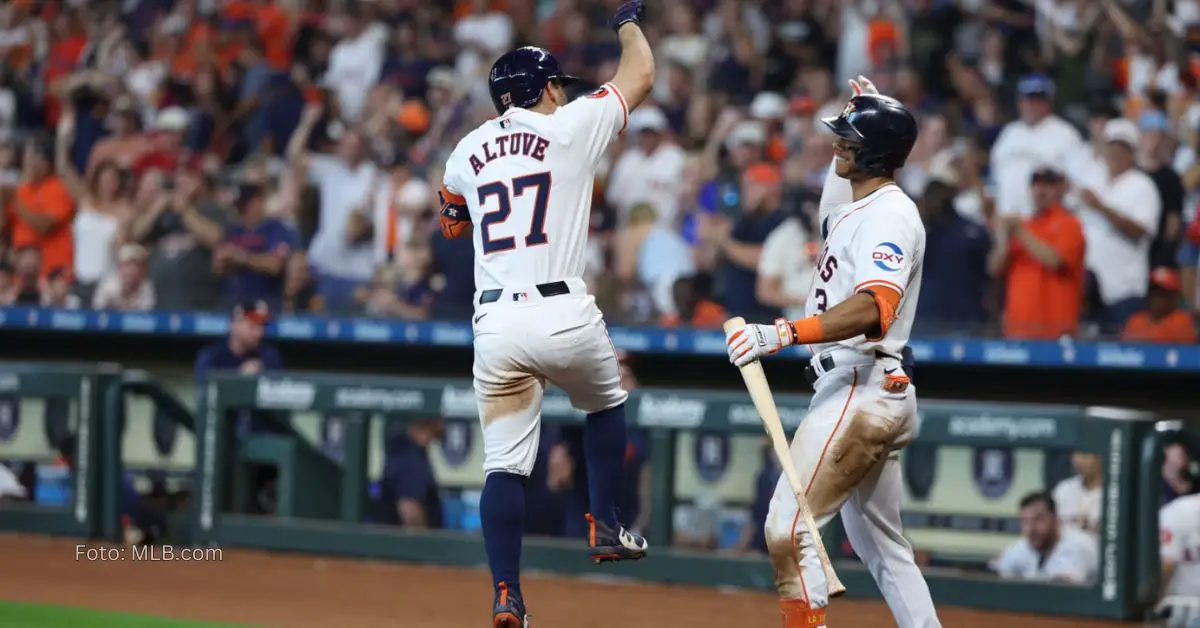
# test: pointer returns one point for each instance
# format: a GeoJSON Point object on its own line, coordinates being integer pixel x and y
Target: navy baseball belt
{"type": "Point", "coordinates": [828, 363]}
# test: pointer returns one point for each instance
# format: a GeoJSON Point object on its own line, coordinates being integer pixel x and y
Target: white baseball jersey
{"type": "Point", "coordinates": [526, 179]}
{"type": "Point", "coordinates": [1078, 506]}
{"type": "Point", "coordinates": [876, 241]}
{"type": "Point", "coordinates": [1075, 559]}
{"type": "Point", "coordinates": [1179, 529]}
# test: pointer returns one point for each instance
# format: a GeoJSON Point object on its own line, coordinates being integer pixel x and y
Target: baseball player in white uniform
{"type": "Point", "coordinates": [521, 185]}
{"type": "Point", "coordinates": [1179, 532]}
{"type": "Point", "coordinates": [1077, 498]}
{"type": "Point", "coordinates": [860, 312]}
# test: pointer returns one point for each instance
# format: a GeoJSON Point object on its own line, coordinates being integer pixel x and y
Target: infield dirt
{"type": "Point", "coordinates": [294, 591]}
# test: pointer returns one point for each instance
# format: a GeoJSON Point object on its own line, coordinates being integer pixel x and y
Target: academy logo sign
{"type": "Point", "coordinates": [284, 394]}
{"type": "Point", "coordinates": [670, 411]}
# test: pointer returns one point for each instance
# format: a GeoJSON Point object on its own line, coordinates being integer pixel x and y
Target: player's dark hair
{"type": "Point", "coordinates": [1039, 497]}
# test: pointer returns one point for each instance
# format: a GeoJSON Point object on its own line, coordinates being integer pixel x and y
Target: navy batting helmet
{"type": "Point", "coordinates": [881, 127]}
{"type": "Point", "coordinates": [519, 77]}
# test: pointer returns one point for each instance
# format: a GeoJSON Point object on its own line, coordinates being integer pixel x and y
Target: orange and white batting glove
{"type": "Point", "coordinates": [752, 342]}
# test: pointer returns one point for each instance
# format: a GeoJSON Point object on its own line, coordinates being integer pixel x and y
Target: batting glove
{"type": "Point", "coordinates": [752, 342]}
{"type": "Point", "coordinates": [632, 11]}
{"type": "Point", "coordinates": [863, 85]}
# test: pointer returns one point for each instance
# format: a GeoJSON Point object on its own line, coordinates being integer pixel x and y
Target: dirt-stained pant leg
{"type": "Point", "coordinates": [872, 520]}
{"type": "Point", "coordinates": [851, 427]}
{"type": "Point", "coordinates": [509, 396]}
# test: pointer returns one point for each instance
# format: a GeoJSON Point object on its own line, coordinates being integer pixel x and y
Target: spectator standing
{"type": "Point", "coordinates": [653, 255]}
{"type": "Point", "coordinates": [1163, 320]}
{"type": "Point", "coordinates": [408, 489]}
{"type": "Point", "coordinates": [182, 226]}
{"type": "Point", "coordinates": [125, 145]}
{"type": "Point", "coordinates": [104, 218]}
{"type": "Point", "coordinates": [1077, 498]}
{"type": "Point", "coordinates": [166, 153]}
{"type": "Point", "coordinates": [650, 172]}
{"type": "Point", "coordinates": [43, 210]}
{"type": "Point", "coordinates": [1039, 138]}
{"type": "Point", "coordinates": [741, 244]}
{"type": "Point", "coordinates": [355, 63]}
{"type": "Point", "coordinates": [129, 288]}
{"type": "Point", "coordinates": [255, 250]}
{"type": "Point", "coordinates": [346, 184]}
{"type": "Point", "coordinates": [1086, 168]}
{"type": "Point", "coordinates": [399, 202]}
{"type": "Point", "coordinates": [1155, 156]}
{"type": "Point", "coordinates": [786, 265]}
{"type": "Point", "coordinates": [1119, 224]}
{"type": "Point", "coordinates": [1048, 552]}
{"type": "Point", "coordinates": [1041, 261]}
{"type": "Point", "coordinates": [954, 290]}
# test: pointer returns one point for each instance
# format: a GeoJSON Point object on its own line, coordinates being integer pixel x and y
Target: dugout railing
{"type": "Point", "coordinates": [1124, 439]}
{"type": "Point", "coordinates": [82, 387]}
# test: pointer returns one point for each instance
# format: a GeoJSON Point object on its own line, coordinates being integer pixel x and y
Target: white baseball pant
{"type": "Point", "coordinates": [524, 340]}
{"type": "Point", "coordinates": [846, 449]}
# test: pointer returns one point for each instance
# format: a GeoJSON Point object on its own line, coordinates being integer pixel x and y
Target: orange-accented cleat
{"type": "Point", "coordinates": [797, 614]}
{"type": "Point", "coordinates": [509, 611]}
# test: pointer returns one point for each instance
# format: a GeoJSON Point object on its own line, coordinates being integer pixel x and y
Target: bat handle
{"type": "Point", "coordinates": [737, 322]}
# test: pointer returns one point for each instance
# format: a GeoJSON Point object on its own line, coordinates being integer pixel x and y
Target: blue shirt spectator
{"type": "Point", "coordinates": [255, 252]}
{"type": "Point", "coordinates": [454, 260]}
{"type": "Point", "coordinates": [761, 195]}
{"type": "Point", "coordinates": [408, 489]}
{"type": "Point", "coordinates": [242, 351]}
{"type": "Point", "coordinates": [955, 280]}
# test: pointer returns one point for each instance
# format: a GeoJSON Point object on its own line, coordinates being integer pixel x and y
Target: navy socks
{"type": "Point", "coordinates": [502, 515]}
{"type": "Point", "coordinates": [604, 449]}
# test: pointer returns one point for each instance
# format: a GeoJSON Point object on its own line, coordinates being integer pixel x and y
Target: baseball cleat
{"type": "Point", "coordinates": [509, 610]}
{"type": "Point", "coordinates": [606, 545]}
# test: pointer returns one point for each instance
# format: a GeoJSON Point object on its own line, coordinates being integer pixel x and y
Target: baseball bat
{"type": "Point", "coordinates": [764, 403]}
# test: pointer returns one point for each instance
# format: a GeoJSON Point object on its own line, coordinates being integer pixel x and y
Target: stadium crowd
{"type": "Point", "coordinates": [188, 154]}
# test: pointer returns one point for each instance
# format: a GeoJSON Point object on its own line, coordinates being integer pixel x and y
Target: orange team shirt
{"type": "Point", "coordinates": [1177, 328]}
{"type": "Point", "coordinates": [48, 196]}
{"type": "Point", "coordinates": [273, 27]}
{"type": "Point", "coordinates": [1041, 303]}
{"type": "Point", "coordinates": [707, 315]}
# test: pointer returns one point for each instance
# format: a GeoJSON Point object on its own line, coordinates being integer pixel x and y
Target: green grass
{"type": "Point", "coordinates": [18, 615]}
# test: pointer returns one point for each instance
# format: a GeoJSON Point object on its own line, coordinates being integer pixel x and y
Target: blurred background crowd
{"type": "Point", "coordinates": [189, 154]}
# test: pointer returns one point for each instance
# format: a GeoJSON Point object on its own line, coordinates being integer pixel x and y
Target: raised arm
{"type": "Point", "coordinates": [62, 155]}
{"type": "Point", "coordinates": [635, 71]}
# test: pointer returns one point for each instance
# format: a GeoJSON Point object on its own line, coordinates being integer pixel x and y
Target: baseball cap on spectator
{"type": "Point", "coordinates": [171, 119]}
{"type": "Point", "coordinates": [1121, 130]}
{"type": "Point", "coordinates": [764, 174]}
{"type": "Point", "coordinates": [768, 106]}
{"type": "Point", "coordinates": [413, 117]}
{"type": "Point", "coordinates": [255, 311]}
{"type": "Point", "coordinates": [1165, 278]}
{"type": "Point", "coordinates": [1036, 86]}
{"type": "Point", "coordinates": [650, 119]}
{"type": "Point", "coordinates": [747, 132]}
{"type": "Point", "coordinates": [1047, 174]}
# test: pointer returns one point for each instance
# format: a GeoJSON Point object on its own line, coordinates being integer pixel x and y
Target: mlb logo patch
{"type": "Point", "coordinates": [505, 123]}
{"type": "Point", "coordinates": [520, 297]}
